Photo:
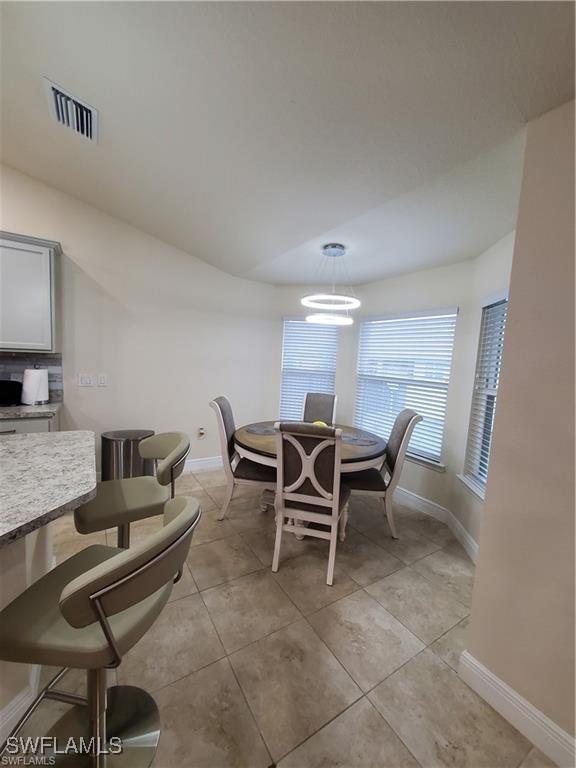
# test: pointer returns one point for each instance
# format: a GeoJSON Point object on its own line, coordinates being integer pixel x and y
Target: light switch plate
{"type": "Point", "coordinates": [85, 380]}
{"type": "Point", "coordinates": [102, 379]}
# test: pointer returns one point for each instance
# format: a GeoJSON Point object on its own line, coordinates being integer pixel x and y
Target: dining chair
{"type": "Point", "coordinates": [236, 470]}
{"type": "Point", "coordinates": [381, 483]}
{"type": "Point", "coordinates": [318, 406]}
{"type": "Point", "coordinates": [308, 486]}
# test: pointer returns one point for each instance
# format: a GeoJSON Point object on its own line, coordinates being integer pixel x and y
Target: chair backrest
{"type": "Point", "coordinates": [308, 469]}
{"type": "Point", "coordinates": [398, 443]}
{"type": "Point", "coordinates": [171, 449]}
{"type": "Point", "coordinates": [226, 428]}
{"type": "Point", "coordinates": [136, 573]}
{"type": "Point", "coordinates": [318, 406]}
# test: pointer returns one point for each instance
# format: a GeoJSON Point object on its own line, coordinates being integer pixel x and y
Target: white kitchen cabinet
{"type": "Point", "coordinates": [27, 293]}
{"type": "Point", "coordinates": [21, 426]}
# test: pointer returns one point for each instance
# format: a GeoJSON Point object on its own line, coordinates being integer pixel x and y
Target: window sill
{"type": "Point", "coordinates": [472, 486]}
{"type": "Point", "coordinates": [427, 463]}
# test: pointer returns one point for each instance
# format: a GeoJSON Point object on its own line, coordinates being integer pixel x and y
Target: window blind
{"type": "Point", "coordinates": [309, 354]}
{"type": "Point", "coordinates": [405, 362]}
{"type": "Point", "coordinates": [485, 389]}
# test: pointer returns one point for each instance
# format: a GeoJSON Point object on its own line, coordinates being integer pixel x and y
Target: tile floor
{"type": "Point", "coordinates": [252, 669]}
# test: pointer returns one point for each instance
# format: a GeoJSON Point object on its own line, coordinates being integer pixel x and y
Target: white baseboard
{"type": "Point", "coordinates": [13, 711]}
{"type": "Point", "coordinates": [201, 465]}
{"type": "Point", "coordinates": [464, 537]}
{"type": "Point", "coordinates": [440, 513]}
{"type": "Point", "coordinates": [421, 503]}
{"type": "Point", "coordinates": [550, 739]}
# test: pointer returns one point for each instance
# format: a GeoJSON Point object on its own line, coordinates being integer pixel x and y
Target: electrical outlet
{"type": "Point", "coordinates": [102, 379]}
{"type": "Point", "coordinates": [201, 433]}
{"type": "Point", "coordinates": [85, 380]}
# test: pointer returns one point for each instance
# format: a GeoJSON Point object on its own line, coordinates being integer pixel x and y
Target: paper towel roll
{"type": "Point", "coordinates": [35, 386]}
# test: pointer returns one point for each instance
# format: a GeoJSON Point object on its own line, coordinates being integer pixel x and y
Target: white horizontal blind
{"type": "Point", "coordinates": [309, 354]}
{"type": "Point", "coordinates": [486, 381]}
{"type": "Point", "coordinates": [405, 362]}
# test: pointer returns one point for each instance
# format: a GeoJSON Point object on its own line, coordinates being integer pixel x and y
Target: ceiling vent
{"type": "Point", "coordinates": [71, 112]}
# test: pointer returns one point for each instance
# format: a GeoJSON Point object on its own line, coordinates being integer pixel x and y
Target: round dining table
{"type": "Point", "coordinates": [360, 449]}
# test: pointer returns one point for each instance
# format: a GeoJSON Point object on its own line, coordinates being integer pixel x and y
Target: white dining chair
{"type": "Point", "coordinates": [308, 486]}
{"type": "Point", "coordinates": [319, 406]}
{"type": "Point", "coordinates": [237, 471]}
{"type": "Point", "coordinates": [381, 483]}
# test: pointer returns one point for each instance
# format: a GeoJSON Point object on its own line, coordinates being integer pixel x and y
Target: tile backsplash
{"type": "Point", "coordinates": [13, 364]}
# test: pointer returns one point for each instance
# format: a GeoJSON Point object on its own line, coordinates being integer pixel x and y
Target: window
{"type": "Point", "coordinates": [484, 397]}
{"type": "Point", "coordinates": [404, 362]}
{"type": "Point", "coordinates": [308, 364]}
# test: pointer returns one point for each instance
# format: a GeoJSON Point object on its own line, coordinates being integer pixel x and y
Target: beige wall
{"type": "Point", "coordinates": [170, 331]}
{"type": "Point", "coordinates": [522, 625]}
{"type": "Point", "coordinates": [468, 286]}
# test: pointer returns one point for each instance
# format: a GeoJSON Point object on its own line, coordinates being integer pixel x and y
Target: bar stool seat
{"type": "Point", "coordinates": [34, 631]}
{"type": "Point", "coordinates": [119, 502]}
{"type": "Point", "coordinates": [87, 613]}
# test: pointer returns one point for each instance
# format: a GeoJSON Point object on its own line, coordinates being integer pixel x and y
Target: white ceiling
{"type": "Point", "coordinates": [248, 134]}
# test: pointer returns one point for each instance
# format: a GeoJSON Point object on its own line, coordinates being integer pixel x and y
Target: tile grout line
{"type": "Point", "coordinates": [465, 618]}
{"type": "Point", "coordinates": [400, 739]}
{"type": "Point", "coordinates": [327, 723]}
{"type": "Point", "coordinates": [412, 631]}
{"type": "Point", "coordinates": [253, 642]}
{"type": "Point", "coordinates": [389, 724]}
{"type": "Point", "coordinates": [426, 647]}
{"type": "Point", "coordinates": [227, 657]}
{"type": "Point", "coordinates": [433, 583]}
{"type": "Point", "coordinates": [266, 745]}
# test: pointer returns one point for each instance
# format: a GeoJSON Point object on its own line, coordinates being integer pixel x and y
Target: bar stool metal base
{"type": "Point", "coordinates": [131, 716]}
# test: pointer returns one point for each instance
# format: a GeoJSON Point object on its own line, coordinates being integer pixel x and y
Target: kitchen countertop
{"type": "Point", "coordinates": [43, 475]}
{"type": "Point", "coordinates": [29, 411]}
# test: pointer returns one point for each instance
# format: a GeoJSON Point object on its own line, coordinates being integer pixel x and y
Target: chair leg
{"type": "Point", "coordinates": [227, 500]}
{"type": "Point", "coordinates": [343, 522]}
{"type": "Point", "coordinates": [97, 685]}
{"type": "Point", "coordinates": [303, 524]}
{"type": "Point", "coordinates": [387, 502]}
{"type": "Point", "coordinates": [278, 541]}
{"type": "Point", "coordinates": [123, 540]}
{"type": "Point", "coordinates": [267, 499]}
{"type": "Point", "coordinates": [332, 554]}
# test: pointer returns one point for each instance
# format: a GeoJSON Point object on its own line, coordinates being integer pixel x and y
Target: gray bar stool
{"type": "Point", "coordinates": [120, 502]}
{"type": "Point", "coordinates": [87, 613]}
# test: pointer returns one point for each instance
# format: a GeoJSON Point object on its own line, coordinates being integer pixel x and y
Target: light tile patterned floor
{"type": "Point", "coordinates": [252, 669]}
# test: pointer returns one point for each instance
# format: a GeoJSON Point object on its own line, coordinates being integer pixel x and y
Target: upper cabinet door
{"type": "Point", "coordinates": [26, 294]}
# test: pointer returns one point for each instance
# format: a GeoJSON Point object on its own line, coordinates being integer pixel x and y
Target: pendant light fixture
{"type": "Point", "coordinates": [335, 304]}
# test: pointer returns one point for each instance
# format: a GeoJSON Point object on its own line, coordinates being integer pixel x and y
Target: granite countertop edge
{"type": "Point", "coordinates": [29, 411]}
{"type": "Point", "coordinates": [53, 514]}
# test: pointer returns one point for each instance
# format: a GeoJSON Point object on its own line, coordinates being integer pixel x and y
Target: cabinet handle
{"type": "Point", "coordinates": [7, 432]}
